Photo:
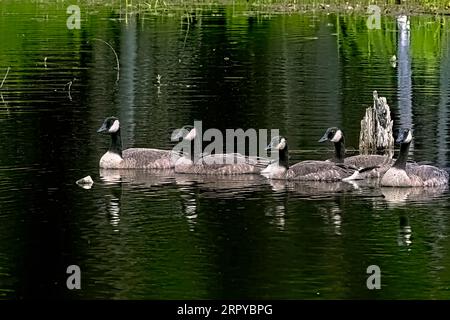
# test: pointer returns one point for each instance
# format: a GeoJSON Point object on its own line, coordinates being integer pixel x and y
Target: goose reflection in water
{"type": "Point", "coordinates": [404, 232]}
{"type": "Point", "coordinates": [275, 210]}
{"type": "Point", "coordinates": [114, 179]}
{"type": "Point", "coordinates": [145, 178]}
{"type": "Point", "coordinates": [189, 206]}
{"type": "Point", "coordinates": [333, 213]}
{"type": "Point", "coordinates": [112, 207]}
{"type": "Point", "coordinates": [312, 189]}
{"type": "Point", "coordinates": [114, 212]}
{"type": "Point", "coordinates": [191, 187]}
{"type": "Point", "coordinates": [223, 187]}
{"type": "Point", "coordinates": [309, 190]}
{"type": "Point", "coordinates": [395, 197]}
{"type": "Point", "coordinates": [400, 197]}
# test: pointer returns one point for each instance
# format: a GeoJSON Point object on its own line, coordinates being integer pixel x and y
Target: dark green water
{"type": "Point", "coordinates": [162, 236]}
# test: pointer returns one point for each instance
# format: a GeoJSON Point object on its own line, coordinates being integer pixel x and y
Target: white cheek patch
{"type": "Point", "coordinates": [409, 137]}
{"type": "Point", "coordinates": [115, 127]}
{"type": "Point", "coordinates": [282, 144]}
{"type": "Point", "coordinates": [337, 136]}
{"type": "Point", "coordinates": [191, 135]}
{"type": "Point", "coordinates": [176, 134]}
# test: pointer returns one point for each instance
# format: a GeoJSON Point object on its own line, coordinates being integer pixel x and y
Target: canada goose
{"type": "Point", "coordinates": [133, 158]}
{"type": "Point", "coordinates": [401, 175]}
{"type": "Point", "coordinates": [336, 136]}
{"type": "Point", "coordinates": [213, 164]}
{"type": "Point", "coordinates": [306, 170]}
{"type": "Point", "coordinates": [376, 165]}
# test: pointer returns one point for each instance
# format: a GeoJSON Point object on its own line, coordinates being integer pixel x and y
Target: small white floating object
{"type": "Point", "coordinates": [86, 182]}
{"type": "Point", "coordinates": [393, 61]}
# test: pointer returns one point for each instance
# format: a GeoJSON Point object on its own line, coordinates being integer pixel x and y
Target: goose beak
{"type": "Point", "coordinates": [324, 138]}
{"type": "Point", "coordinates": [102, 128]}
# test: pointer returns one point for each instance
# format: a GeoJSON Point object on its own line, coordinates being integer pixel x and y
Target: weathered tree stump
{"type": "Point", "coordinates": [376, 128]}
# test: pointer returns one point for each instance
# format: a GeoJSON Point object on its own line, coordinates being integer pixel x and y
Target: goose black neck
{"type": "Point", "coordinates": [283, 157]}
{"type": "Point", "coordinates": [339, 150]}
{"type": "Point", "coordinates": [116, 143]}
{"type": "Point", "coordinates": [400, 163]}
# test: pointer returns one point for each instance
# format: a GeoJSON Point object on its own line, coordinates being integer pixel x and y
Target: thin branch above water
{"type": "Point", "coordinates": [7, 71]}
{"type": "Point", "coordinates": [70, 85]}
{"type": "Point", "coordinates": [117, 57]}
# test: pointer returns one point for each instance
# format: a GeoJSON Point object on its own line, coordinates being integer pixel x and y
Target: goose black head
{"type": "Point", "coordinates": [186, 133]}
{"type": "Point", "coordinates": [404, 136]}
{"type": "Point", "coordinates": [332, 134]}
{"type": "Point", "coordinates": [277, 143]}
{"type": "Point", "coordinates": [109, 126]}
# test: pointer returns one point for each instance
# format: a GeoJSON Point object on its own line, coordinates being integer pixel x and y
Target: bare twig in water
{"type": "Point", "coordinates": [117, 57]}
{"type": "Point", "coordinates": [4, 102]}
{"type": "Point", "coordinates": [158, 80]}
{"type": "Point", "coordinates": [70, 85]}
{"type": "Point", "coordinates": [185, 37]}
{"type": "Point", "coordinates": [7, 71]}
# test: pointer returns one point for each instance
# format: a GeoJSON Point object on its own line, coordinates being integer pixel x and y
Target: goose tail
{"type": "Point", "coordinates": [358, 174]}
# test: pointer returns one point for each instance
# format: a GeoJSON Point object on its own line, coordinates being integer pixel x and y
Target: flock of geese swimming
{"type": "Point", "coordinates": [391, 172]}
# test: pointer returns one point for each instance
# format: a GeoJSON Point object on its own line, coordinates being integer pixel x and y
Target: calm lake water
{"type": "Point", "coordinates": [138, 235]}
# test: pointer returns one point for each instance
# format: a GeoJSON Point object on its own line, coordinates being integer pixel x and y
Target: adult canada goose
{"type": "Point", "coordinates": [213, 164]}
{"type": "Point", "coordinates": [376, 165]}
{"type": "Point", "coordinates": [306, 170]}
{"type": "Point", "coordinates": [401, 175]}
{"type": "Point", "coordinates": [133, 158]}
{"type": "Point", "coordinates": [369, 166]}
{"type": "Point", "coordinates": [336, 136]}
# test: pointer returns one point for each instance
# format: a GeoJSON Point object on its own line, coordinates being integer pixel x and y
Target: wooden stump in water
{"type": "Point", "coordinates": [376, 128]}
